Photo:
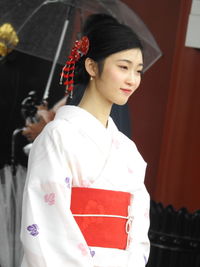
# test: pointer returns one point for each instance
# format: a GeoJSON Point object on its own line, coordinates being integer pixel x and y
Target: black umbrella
{"type": "Point", "coordinates": [48, 28]}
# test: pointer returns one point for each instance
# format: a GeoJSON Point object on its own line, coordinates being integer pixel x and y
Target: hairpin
{"type": "Point", "coordinates": [80, 49]}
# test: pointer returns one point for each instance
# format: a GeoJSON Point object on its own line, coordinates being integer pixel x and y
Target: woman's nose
{"type": "Point", "coordinates": [132, 79]}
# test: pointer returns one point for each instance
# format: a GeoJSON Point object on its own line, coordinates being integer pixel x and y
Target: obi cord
{"type": "Point", "coordinates": [103, 216]}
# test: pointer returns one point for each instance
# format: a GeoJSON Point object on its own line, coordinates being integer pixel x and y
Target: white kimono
{"type": "Point", "coordinates": [76, 150]}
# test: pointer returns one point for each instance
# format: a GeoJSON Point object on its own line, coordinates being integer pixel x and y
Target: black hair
{"type": "Point", "coordinates": [106, 36]}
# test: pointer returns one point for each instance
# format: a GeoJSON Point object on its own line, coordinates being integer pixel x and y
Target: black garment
{"type": "Point", "coordinates": [121, 117]}
{"type": "Point", "coordinates": [20, 74]}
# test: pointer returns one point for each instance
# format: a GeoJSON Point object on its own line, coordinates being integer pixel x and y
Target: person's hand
{"type": "Point", "coordinates": [32, 130]}
{"type": "Point", "coordinates": [46, 115]}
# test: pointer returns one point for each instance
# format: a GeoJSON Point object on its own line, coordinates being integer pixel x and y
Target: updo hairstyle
{"type": "Point", "coordinates": [106, 36]}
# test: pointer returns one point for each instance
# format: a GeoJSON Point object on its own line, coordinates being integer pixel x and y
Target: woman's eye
{"type": "Point", "coordinates": [123, 67]}
{"type": "Point", "coordinates": [140, 72]}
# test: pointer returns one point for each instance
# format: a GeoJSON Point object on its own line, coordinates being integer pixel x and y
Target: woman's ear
{"type": "Point", "coordinates": [91, 67]}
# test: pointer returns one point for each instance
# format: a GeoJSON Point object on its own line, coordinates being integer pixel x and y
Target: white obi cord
{"type": "Point", "coordinates": [128, 223]}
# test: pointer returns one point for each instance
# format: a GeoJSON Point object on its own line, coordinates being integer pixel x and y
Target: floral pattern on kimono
{"type": "Point", "coordinates": [76, 150]}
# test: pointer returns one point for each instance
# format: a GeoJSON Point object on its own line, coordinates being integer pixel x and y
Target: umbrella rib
{"type": "Point", "coordinates": [34, 12]}
{"type": "Point", "coordinates": [29, 17]}
{"type": "Point", "coordinates": [106, 8]}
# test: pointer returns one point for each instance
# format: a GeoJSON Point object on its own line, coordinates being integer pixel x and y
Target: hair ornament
{"type": "Point", "coordinates": [80, 49]}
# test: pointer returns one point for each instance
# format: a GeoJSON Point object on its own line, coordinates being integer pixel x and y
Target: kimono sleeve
{"type": "Point", "coordinates": [139, 246]}
{"type": "Point", "coordinates": [49, 233]}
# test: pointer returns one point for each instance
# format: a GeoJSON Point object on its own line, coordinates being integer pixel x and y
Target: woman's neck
{"type": "Point", "coordinates": [95, 105]}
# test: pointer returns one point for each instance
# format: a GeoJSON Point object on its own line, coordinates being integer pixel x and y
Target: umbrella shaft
{"type": "Point", "coordinates": [65, 26]}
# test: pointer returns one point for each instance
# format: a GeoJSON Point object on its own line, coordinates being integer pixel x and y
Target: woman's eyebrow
{"type": "Point", "coordinates": [129, 62]}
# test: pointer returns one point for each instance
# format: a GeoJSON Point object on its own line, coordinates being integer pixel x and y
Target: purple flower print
{"type": "Point", "coordinates": [92, 252]}
{"type": "Point", "coordinates": [33, 229]}
{"type": "Point", "coordinates": [84, 250]}
{"type": "Point", "coordinates": [67, 181]}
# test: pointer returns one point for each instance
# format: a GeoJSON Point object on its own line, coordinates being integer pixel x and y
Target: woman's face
{"type": "Point", "coordinates": [120, 77]}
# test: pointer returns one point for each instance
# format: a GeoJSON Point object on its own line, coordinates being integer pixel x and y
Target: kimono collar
{"type": "Point", "coordinates": [87, 124]}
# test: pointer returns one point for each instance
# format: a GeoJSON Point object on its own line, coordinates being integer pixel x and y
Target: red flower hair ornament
{"type": "Point", "coordinates": [80, 49]}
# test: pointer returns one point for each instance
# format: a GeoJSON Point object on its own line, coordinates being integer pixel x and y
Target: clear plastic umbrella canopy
{"type": "Point", "coordinates": [39, 24]}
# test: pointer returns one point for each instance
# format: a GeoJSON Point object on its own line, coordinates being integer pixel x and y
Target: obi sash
{"type": "Point", "coordinates": [102, 216]}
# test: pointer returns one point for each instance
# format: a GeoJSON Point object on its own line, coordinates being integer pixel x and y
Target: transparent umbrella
{"type": "Point", "coordinates": [48, 28]}
{"type": "Point", "coordinates": [39, 24]}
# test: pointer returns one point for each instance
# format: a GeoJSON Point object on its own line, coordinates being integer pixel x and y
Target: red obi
{"type": "Point", "coordinates": [102, 216]}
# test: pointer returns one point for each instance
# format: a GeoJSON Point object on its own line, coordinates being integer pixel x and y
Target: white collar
{"type": "Point", "coordinates": [87, 124]}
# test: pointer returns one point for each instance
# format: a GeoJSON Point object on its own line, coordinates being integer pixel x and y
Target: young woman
{"type": "Point", "coordinates": [85, 203]}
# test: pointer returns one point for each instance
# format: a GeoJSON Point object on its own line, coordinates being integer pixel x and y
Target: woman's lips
{"type": "Point", "coordinates": [127, 91]}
